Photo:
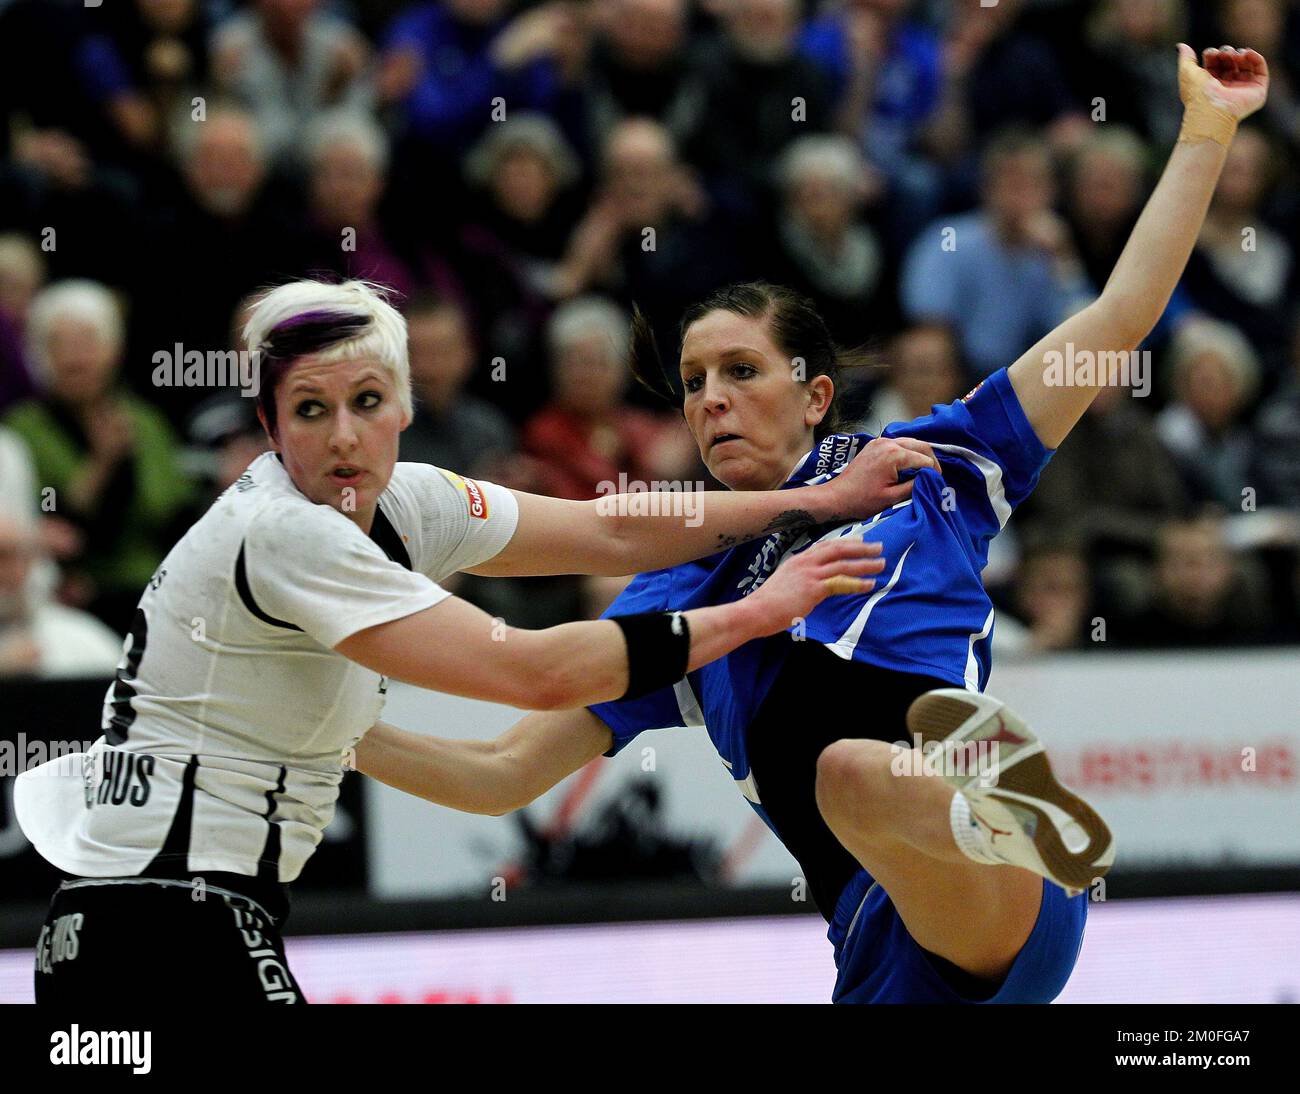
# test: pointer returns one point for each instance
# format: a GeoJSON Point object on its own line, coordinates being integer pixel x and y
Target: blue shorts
{"type": "Point", "coordinates": [879, 962]}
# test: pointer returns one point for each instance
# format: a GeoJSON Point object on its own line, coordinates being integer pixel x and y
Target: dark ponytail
{"type": "Point", "coordinates": [647, 363]}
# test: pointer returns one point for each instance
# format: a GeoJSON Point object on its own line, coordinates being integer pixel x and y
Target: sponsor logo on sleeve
{"type": "Point", "coordinates": [478, 506]}
{"type": "Point", "coordinates": [475, 498]}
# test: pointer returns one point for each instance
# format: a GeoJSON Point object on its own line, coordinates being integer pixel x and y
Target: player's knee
{"type": "Point", "coordinates": [845, 774]}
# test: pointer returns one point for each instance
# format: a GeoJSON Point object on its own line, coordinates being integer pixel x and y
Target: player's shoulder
{"type": "Point", "coordinates": [434, 490]}
{"type": "Point", "coordinates": [988, 396]}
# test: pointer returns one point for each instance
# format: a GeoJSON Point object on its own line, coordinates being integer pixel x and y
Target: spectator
{"type": "Point", "coordinates": [587, 436]}
{"type": "Point", "coordinates": [1105, 188]}
{"type": "Point", "coordinates": [510, 243]}
{"type": "Point", "coordinates": [446, 62]}
{"type": "Point", "coordinates": [450, 429]}
{"type": "Point", "coordinates": [50, 94]}
{"type": "Point", "coordinates": [1277, 437]}
{"type": "Point", "coordinates": [1132, 42]}
{"type": "Point", "coordinates": [1054, 598]}
{"type": "Point", "coordinates": [110, 459]}
{"type": "Point", "coordinates": [646, 236]}
{"type": "Point", "coordinates": [56, 538]}
{"type": "Point", "coordinates": [347, 157]}
{"type": "Point", "coordinates": [1215, 375]}
{"type": "Point", "coordinates": [225, 437]}
{"type": "Point", "coordinates": [644, 64]}
{"type": "Point", "coordinates": [51, 186]}
{"type": "Point", "coordinates": [823, 247]}
{"type": "Point", "coordinates": [1006, 274]}
{"type": "Point", "coordinates": [1242, 271]}
{"type": "Point", "coordinates": [1202, 595]}
{"type": "Point", "coordinates": [1109, 487]}
{"type": "Point", "coordinates": [229, 234]}
{"type": "Point", "coordinates": [925, 370]}
{"type": "Point", "coordinates": [285, 61]}
{"type": "Point", "coordinates": [144, 67]}
{"type": "Point", "coordinates": [39, 637]}
{"type": "Point", "coordinates": [17, 477]}
{"type": "Point", "coordinates": [524, 173]}
{"type": "Point", "coordinates": [223, 160]}
{"type": "Point", "coordinates": [996, 75]}
{"type": "Point", "coordinates": [761, 94]}
{"type": "Point", "coordinates": [22, 272]}
{"type": "Point", "coordinates": [887, 73]}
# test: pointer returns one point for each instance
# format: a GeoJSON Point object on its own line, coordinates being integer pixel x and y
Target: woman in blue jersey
{"type": "Point", "coordinates": [937, 885]}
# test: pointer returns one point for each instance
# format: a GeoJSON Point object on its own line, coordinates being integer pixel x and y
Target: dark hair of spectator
{"type": "Point", "coordinates": [431, 302]}
{"type": "Point", "coordinates": [793, 323]}
{"type": "Point", "coordinates": [1009, 142]}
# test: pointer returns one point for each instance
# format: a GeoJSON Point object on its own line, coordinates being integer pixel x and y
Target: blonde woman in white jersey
{"type": "Point", "coordinates": [260, 651]}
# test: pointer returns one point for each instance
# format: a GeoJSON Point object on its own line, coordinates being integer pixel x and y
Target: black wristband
{"type": "Point", "coordinates": [658, 650]}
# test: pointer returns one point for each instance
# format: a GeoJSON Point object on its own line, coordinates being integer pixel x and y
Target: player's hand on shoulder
{"type": "Point", "coordinates": [871, 481]}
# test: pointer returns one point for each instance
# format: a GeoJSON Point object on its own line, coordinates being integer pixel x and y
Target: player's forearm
{"type": "Point", "coordinates": [457, 648]}
{"type": "Point", "coordinates": [489, 777]}
{"type": "Point", "coordinates": [1157, 251]}
{"type": "Point", "coordinates": [690, 525]}
{"type": "Point", "coordinates": [464, 775]}
{"type": "Point", "coordinates": [578, 664]}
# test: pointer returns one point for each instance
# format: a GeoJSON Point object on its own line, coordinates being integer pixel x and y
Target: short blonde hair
{"type": "Point", "coordinates": [331, 321]}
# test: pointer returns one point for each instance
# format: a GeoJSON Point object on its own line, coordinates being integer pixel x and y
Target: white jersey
{"type": "Point", "coordinates": [226, 729]}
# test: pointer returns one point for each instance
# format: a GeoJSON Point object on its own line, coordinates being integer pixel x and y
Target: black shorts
{"type": "Point", "coordinates": [816, 700]}
{"type": "Point", "coordinates": [159, 941]}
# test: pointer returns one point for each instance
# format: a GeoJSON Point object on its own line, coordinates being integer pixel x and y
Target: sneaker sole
{"type": "Point", "coordinates": [1026, 791]}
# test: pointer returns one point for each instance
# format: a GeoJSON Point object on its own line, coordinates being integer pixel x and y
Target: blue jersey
{"type": "Point", "coordinates": [928, 614]}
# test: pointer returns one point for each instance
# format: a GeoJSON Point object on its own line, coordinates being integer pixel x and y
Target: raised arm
{"type": "Point", "coordinates": [629, 533]}
{"type": "Point", "coordinates": [457, 648]}
{"type": "Point", "coordinates": [1233, 85]}
{"type": "Point", "coordinates": [492, 777]}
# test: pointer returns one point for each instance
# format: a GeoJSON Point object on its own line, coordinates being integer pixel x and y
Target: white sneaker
{"type": "Point", "coordinates": [1033, 821]}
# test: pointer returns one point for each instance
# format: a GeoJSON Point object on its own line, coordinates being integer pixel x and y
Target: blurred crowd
{"type": "Point", "coordinates": [947, 180]}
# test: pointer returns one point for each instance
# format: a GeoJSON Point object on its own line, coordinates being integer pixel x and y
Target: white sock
{"type": "Point", "coordinates": [969, 835]}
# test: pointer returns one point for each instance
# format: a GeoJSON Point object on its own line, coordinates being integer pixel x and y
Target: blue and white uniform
{"type": "Point", "coordinates": [928, 618]}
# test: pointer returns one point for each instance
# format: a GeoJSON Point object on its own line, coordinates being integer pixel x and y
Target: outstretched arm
{"type": "Point", "coordinates": [457, 648]}
{"type": "Point", "coordinates": [492, 777]}
{"type": "Point", "coordinates": [631, 533]}
{"type": "Point", "coordinates": [1233, 84]}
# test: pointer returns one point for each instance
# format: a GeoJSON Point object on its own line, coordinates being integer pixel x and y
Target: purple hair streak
{"type": "Point", "coordinates": [305, 334]}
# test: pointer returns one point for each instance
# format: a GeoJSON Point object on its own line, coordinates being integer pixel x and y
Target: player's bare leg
{"type": "Point", "coordinates": [894, 810]}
